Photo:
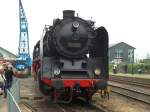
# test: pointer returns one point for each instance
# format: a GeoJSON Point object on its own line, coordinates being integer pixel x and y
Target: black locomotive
{"type": "Point", "coordinates": [71, 58]}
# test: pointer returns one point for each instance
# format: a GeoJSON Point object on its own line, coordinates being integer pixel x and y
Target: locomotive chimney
{"type": "Point", "coordinates": [68, 14]}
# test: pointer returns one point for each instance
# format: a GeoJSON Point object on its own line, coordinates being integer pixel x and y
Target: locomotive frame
{"type": "Point", "coordinates": [62, 76]}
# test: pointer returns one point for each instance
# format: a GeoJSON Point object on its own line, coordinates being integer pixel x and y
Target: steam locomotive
{"type": "Point", "coordinates": [71, 59]}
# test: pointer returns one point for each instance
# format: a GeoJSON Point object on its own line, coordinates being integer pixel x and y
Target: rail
{"type": "Point", "coordinates": [130, 91]}
{"type": "Point", "coordinates": [13, 96]}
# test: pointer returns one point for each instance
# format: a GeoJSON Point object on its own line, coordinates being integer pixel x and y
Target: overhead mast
{"type": "Point", "coordinates": [23, 36]}
{"type": "Point", "coordinates": [23, 61]}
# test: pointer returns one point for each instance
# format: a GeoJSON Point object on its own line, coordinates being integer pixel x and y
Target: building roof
{"type": "Point", "coordinates": [112, 45]}
{"type": "Point", "coordinates": [8, 52]}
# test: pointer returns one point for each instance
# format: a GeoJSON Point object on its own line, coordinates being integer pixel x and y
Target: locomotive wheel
{"type": "Point", "coordinates": [42, 86]}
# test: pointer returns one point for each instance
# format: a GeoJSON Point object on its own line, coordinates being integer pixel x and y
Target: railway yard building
{"type": "Point", "coordinates": [121, 52]}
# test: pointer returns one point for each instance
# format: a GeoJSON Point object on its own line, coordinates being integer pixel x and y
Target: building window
{"type": "Point", "coordinates": [118, 53]}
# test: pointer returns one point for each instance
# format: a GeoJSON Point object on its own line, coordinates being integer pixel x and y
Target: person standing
{"type": "Point", "coordinates": [114, 68]}
{"type": "Point", "coordinates": [125, 68]}
{"type": "Point", "coordinates": [9, 78]}
{"type": "Point", "coordinates": [2, 79]}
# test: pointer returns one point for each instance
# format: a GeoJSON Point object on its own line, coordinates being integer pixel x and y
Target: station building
{"type": "Point", "coordinates": [6, 55]}
{"type": "Point", "coordinates": [121, 52]}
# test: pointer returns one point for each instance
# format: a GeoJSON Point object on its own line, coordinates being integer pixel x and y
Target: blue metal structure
{"type": "Point", "coordinates": [23, 61]}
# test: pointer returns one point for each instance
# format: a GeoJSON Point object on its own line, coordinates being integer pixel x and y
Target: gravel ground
{"type": "Point", "coordinates": [118, 103]}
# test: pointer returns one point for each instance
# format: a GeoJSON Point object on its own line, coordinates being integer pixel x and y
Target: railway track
{"type": "Point", "coordinates": [131, 80]}
{"type": "Point", "coordinates": [81, 106]}
{"type": "Point", "coordinates": [33, 101]}
{"type": "Point", "coordinates": [76, 106]}
{"type": "Point", "coordinates": [136, 89]}
{"type": "Point", "coordinates": [147, 86]}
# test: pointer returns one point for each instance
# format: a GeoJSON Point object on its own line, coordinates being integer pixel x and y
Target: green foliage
{"type": "Point", "coordinates": [135, 68]}
{"type": "Point", "coordinates": [145, 68]}
{"type": "Point", "coordinates": [146, 61]}
{"type": "Point", "coordinates": [110, 67]}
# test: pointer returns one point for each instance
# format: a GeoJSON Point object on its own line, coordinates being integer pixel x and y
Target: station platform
{"type": "Point", "coordinates": [3, 104]}
{"type": "Point", "coordinates": [145, 76]}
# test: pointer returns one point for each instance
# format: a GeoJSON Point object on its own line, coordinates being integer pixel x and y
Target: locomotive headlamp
{"type": "Point", "coordinates": [75, 24]}
{"type": "Point", "coordinates": [56, 71]}
{"type": "Point", "coordinates": [97, 71]}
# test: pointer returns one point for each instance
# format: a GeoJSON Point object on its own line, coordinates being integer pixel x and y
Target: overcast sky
{"type": "Point", "coordinates": [125, 20]}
